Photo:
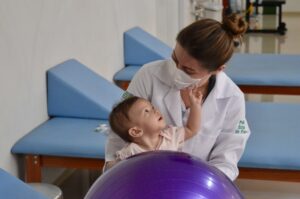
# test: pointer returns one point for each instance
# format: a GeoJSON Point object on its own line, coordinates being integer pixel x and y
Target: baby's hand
{"type": "Point", "coordinates": [195, 96]}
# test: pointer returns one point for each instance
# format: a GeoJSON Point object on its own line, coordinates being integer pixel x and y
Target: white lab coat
{"type": "Point", "coordinates": [224, 130]}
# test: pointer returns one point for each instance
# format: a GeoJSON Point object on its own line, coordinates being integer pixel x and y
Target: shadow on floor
{"type": "Point", "coordinates": [78, 183]}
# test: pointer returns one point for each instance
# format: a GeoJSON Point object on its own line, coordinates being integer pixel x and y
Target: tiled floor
{"type": "Point", "coordinates": [275, 43]}
{"type": "Point", "coordinates": [77, 184]}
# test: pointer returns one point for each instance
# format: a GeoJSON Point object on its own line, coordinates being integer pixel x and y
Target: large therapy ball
{"type": "Point", "coordinates": [163, 175]}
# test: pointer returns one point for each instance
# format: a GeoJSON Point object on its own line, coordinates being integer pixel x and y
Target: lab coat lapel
{"type": "Point", "coordinates": [173, 105]}
{"type": "Point", "coordinates": [209, 110]}
{"type": "Point", "coordinates": [210, 107]}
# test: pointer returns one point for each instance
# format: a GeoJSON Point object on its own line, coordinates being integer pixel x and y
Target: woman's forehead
{"type": "Point", "coordinates": [184, 59]}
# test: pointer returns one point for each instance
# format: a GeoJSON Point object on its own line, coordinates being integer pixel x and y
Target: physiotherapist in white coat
{"type": "Point", "coordinates": [197, 62]}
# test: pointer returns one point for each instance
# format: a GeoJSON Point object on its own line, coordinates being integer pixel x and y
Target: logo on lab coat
{"type": "Point", "coordinates": [242, 127]}
{"type": "Point", "coordinates": [126, 95]}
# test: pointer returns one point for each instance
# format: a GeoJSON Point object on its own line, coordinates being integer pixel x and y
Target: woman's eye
{"type": "Point", "coordinates": [188, 71]}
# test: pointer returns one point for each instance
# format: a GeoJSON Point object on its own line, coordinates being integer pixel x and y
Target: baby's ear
{"type": "Point", "coordinates": [135, 132]}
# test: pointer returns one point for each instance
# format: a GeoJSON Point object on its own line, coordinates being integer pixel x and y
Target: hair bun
{"type": "Point", "coordinates": [234, 25]}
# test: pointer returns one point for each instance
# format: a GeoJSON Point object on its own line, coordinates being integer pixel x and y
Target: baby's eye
{"type": "Point", "coordinates": [147, 110]}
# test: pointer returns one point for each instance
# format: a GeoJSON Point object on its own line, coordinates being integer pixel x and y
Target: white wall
{"type": "Point", "coordinates": [291, 6]}
{"type": "Point", "coordinates": [38, 34]}
{"type": "Point", "coordinates": [167, 20]}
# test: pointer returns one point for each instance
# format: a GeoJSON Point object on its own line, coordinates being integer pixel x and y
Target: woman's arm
{"type": "Point", "coordinates": [231, 142]}
{"type": "Point", "coordinates": [113, 144]}
{"type": "Point", "coordinates": [141, 83]}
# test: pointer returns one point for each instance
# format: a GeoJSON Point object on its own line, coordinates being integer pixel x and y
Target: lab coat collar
{"type": "Point", "coordinates": [224, 87]}
{"type": "Point", "coordinates": [172, 99]}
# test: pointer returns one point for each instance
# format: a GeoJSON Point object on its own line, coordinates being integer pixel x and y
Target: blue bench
{"type": "Point", "coordinates": [79, 100]}
{"type": "Point", "coordinates": [266, 73]}
{"type": "Point", "coordinates": [140, 48]}
{"type": "Point", "coordinates": [250, 71]}
{"type": "Point", "coordinates": [272, 150]}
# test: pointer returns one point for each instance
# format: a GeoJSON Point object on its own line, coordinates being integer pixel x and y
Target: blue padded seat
{"type": "Point", "coordinates": [274, 142]}
{"type": "Point", "coordinates": [13, 188]}
{"type": "Point", "coordinates": [127, 73]}
{"type": "Point", "coordinates": [73, 90]}
{"type": "Point", "coordinates": [79, 100]}
{"type": "Point", "coordinates": [250, 69]}
{"type": "Point", "coordinates": [264, 69]}
{"type": "Point", "coordinates": [69, 137]}
{"type": "Point", "coordinates": [140, 47]}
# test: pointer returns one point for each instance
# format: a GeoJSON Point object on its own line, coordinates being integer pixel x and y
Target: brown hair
{"type": "Point", "coordinates": [211, 42]}
{"type": "Point", "coordinates": [119, 120]}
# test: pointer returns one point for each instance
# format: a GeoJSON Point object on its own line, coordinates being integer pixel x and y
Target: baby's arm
{"type": "Point", "coordinates": [122, 154]}
{"type": "Point", "coordinates": [193, 122]}
{"type": "Point", "coordinates": [110, 164]}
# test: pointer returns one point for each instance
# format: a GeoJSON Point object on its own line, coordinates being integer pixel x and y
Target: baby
{"type": "Point", "coordinates": [140, 124]}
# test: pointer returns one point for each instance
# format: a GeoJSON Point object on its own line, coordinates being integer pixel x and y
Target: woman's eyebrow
{"type": "Point", "coordinates": [174, 57]}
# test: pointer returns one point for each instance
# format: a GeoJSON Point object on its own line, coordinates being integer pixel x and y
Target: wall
{"type": "Point", "coordinates": [291, 6]}
{"type": "Point", "coordinates": [38, 34]}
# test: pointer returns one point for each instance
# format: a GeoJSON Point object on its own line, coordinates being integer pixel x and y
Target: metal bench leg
{"type": "Point", "coordinates": [33, 168]}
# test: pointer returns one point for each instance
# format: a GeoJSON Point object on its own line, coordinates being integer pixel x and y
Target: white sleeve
{"type": "Point", "coordinates": [231, 142]}
{"type": "Point", "coordinates": [141, 83]}
{"type": "Point", "coordinates": [113, 144]}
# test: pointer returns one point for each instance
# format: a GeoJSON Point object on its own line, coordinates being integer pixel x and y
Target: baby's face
{"type": "Point", "coordinates": [144, 115]}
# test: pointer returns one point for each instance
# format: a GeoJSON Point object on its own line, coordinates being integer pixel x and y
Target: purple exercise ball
{"type": "Point", "coordinates": [163, 175]}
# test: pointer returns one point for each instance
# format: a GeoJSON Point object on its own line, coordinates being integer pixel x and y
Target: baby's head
{"type": "Point", "coordinates": [135, 117]}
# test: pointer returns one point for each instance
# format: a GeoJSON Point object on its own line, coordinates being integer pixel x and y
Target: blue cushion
{"type": "Point", "coordinates": [126, 74]}
{"type": "Point", "coordinates": [141, 47]}
{"type": "Point", "coordinates": [13, 188]}
{"type": "Point", "coordinates": [274, 142]}
{"type": "Point", "coordinates": [76, 91]}
{"type": "Point", "coordinates": [70, 137]}
{"type": "Point", "coordinates": [264, 69]}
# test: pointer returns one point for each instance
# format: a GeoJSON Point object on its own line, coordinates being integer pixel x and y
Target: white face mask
{"type": "Point", "coordinates": [183, 80]}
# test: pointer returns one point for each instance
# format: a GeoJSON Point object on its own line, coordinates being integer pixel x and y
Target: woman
{"type": "Point", "coordinates": [198, 60]}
